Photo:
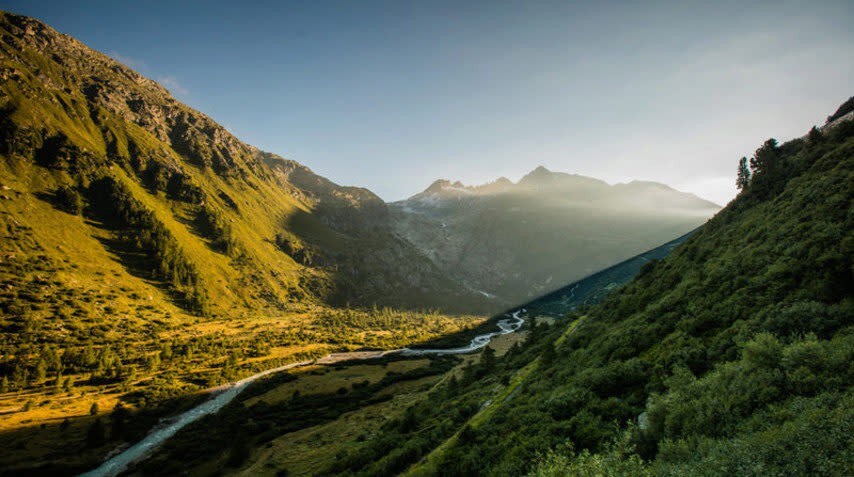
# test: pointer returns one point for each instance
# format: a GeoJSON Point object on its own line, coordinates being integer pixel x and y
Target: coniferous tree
{"type": "Point", "coordinates": [453, 382]}
{"type": "Point", "coordinates": [487, 359]}
{"type": "Point", "coordinates": [764, 167]}
{"type": "Point", "coordinates": [743, 179]}
{"type": "Point", "coordinates": [814, 136]}
{"type": "Point", "coordinates": [548, 354]}
{"type": "Point", "coordinates": [41, 370]}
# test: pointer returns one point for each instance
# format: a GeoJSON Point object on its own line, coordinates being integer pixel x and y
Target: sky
{"type": "Point", "coordinates": [394, 95]}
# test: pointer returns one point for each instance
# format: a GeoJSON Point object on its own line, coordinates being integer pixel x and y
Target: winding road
{"type": "Point", "coordinates": [226, 393]}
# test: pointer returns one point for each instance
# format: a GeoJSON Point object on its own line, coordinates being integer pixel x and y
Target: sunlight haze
{"type": "Point", "coordinates": [392, 95]}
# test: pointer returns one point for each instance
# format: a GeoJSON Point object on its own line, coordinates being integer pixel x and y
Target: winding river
{"type": "Point", "coordinates": [226, 393]}
{"type": "Point", "coordinates": [505, 326]}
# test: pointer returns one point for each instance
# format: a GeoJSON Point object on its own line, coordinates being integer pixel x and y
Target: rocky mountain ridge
{"type": "Point", "coordinates": [518, 240]}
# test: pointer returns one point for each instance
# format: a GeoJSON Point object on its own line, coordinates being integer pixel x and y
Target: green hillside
{"type": "Point", "coordinates": [732, 356]}
{"type": "Point", "coordinates": [148, 256]}
{"type": "Point", "coordinates": [147, 253]}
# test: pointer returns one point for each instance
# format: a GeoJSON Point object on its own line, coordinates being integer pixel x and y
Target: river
{"type": "Point", "coordinates": [505, 326]}
{"type": "Point", "coordinates": [226, 393]}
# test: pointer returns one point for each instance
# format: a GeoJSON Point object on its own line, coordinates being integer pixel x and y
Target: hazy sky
{"type": "Point", "coordinates": [393, 95]}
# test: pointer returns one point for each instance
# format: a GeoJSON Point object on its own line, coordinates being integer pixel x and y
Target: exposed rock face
{"type": "Point", "coordinates": [520, 240]}
{"type": "Point", "coordinates": [109, 85]}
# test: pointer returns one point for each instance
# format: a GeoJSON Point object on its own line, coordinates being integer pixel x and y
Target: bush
{"type": "Point", "coordinates": [68, 199]}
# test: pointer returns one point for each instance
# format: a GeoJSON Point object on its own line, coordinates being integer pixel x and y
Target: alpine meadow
{"type": "Point", "coordinates": [176, 301]}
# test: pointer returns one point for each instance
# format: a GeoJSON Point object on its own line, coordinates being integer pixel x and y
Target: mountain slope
{"type": "Point", "coordinates": [78, 126]}
{"type": "Point", "coordinates": [732, 356]}
{"type": "Point", "coordinates": [517, 241]}
{"type": "Point", "coordinates": [147, 254]}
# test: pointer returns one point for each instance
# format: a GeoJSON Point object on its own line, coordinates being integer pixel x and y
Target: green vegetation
{"type": "Point", "coordinates": [255, 420]}
{"type": "Point", "coordinates": [139, 263]}
{"type": "Point", "coordinates": [148, 255]}
{"type": "Point", "coordinates": [142, 233]}
{"type": "Point", "coordinates": [729, 357]}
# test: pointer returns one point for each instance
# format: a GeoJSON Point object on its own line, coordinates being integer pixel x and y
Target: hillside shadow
{"type": "Point", "coordinates": [369, 265]}
{"type": "Point", "coordinates": [137, 263]}
{"type": "Point", "coordinates": [74, 444]}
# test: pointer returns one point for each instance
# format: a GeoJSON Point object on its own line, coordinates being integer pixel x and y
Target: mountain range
{"type": "Point", "coordinates": [516, 241]}
{"type": "Point", "coordinates": [106, 173]}
{"type": "Point", "coordinates": [148, 255]}
{"type": "Point", "coordinates": [728, 352]}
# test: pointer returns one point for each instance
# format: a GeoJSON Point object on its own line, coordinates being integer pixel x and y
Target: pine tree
{"type": "Point", "coordinates": [487, 359]}
{"type": "Point", "coordinates": [764, 159]}
{"type": "Point", "coordinates": [814, 136]}
{"type": "Point", "coordinates": [548, 354]}
{"type": "Point", "coordinates": [765, 169]}
{"type": "Point", "coordinates": [453, 382]}
{"type": "Point", "coordinates": [743, 179]}
{"type": "Point", "coordinates": [41, 371]}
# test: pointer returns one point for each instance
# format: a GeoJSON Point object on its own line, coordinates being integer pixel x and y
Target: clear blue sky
{"type": "Point", "coordinates": [392, 95]}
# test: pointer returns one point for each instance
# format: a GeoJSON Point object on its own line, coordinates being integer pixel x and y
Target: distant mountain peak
{"type": "Point", "coordinates": [539, 173]}
{"type": "Point", "coordinates": [437, 186]}
{"type": "Point", "coordinates": [650, 184]}
{"type": "Point", "coordinates": [542, 177]}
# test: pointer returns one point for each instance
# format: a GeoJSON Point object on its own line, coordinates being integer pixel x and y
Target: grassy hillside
{"type": "Point", "coordinates": [148, 254]}
{"type": "Point", "coordinates": [732, 356]}
{"type": "Point", "coordinates": [336, 427]}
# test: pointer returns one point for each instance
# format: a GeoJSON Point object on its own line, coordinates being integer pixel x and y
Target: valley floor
{"type": "Point", "coordinates": [70, 423]}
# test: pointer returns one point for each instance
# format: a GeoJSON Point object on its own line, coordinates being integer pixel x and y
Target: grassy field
{"type": "Point", "coordinates": [303, 417]}
{"type": "Point", "coordinates": [47, 423]}
{"type": "Point", "coordinates": [325, 379]}
{"type": "Point", "coordinates": [307, 451]}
